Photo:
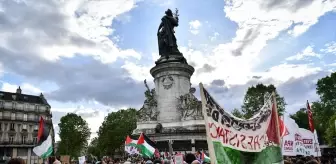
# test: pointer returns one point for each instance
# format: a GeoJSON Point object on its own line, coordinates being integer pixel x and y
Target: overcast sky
{"type": "Point", "coordinates": [91, 56]}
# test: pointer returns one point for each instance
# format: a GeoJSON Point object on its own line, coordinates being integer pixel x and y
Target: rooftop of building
{"type": "Point", "coordinates": [19, 96]}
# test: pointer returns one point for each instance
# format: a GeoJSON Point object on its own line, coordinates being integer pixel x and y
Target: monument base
{"type": "Point", "coordinates": [183, 136]}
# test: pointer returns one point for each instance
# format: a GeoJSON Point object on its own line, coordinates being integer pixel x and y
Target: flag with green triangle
{"type": "Point", "coordinates": [131, 145]}
{"type": "Point", "coordinates": [239, 141]}
{"type": "Point", "coordinates": [44, 147]}
{"type": "Point", "coordinates": [145, 146]}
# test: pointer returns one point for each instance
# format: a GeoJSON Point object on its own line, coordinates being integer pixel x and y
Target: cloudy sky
{"type": "Point", "coordinates": [91, 56]}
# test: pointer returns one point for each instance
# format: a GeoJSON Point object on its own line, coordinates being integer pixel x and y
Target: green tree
{"type": "Point", "coordinates": [113, 131]}
{"type": "Point", "coordinates": [74, 134]}
{"type": "Point", "coordinates": [236, 112]}
{"type": "Point", "coordinates": [326, 89]}
{"type": "Point", "coordinates": [321, 117]}
{"type": "Point", "coordinates": [254, 100]}
{"type": "Point", "coordinates": [93, 148]}
{"type": "Point", "coordinates": [331, 132]}
{"type": "Point", "coordinates": [326, 108]}
{"type": "Point", "coordinates": [301, 118]}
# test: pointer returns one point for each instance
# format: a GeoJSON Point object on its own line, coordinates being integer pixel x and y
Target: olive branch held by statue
{"type": "Point", "coordinates": [176, 14]}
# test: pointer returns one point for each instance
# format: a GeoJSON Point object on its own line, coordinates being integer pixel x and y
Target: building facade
{"type": "Point", "coordinates": [19, 123]}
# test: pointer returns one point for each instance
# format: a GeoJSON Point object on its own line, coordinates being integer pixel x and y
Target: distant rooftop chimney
{"type": "Point", "coordinates": [19, 91]}
{"type": "Point", "coordinates": [41, 95]}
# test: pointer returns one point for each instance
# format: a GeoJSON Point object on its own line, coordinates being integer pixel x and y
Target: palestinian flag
{"type": "Point", "coordinates": [205, 158]}
{"type": "Point", "coordinates": [253, 146]}
{"type": "Point", "coordinates": [131, 141]}
{"type": "Point", "coordinates": [146, 146]}
{"type": "Point", "coordinates": [44, 147]}
{"type": "Point", "coordinates": [131, 145]}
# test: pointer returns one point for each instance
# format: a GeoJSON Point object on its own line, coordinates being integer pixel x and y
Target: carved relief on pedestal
{"type": "Point", "coordinates": [189, 106]}
{"type": "Point", "coordinates": [167, 82]}
{"type": "Point", "coordinates": [149, 111]}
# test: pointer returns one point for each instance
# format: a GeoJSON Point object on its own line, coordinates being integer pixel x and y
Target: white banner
{"type": "Point", "coordinates": [81, 160]}
{"type": "Point", "coordinates": [244, 135]}
{"type": "Point", "coordinates": [299, 141]}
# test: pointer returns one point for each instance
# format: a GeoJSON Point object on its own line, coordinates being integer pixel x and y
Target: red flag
{"type": "Point", "coordinates": [283, 128]}
{"type": "Point", "coordinates": [310, 118]}
{"type": "Point", "coordinates": [272, 127]}
{"type": "Point", "coordinates": [43, 131]}
{"type": "Point", "coordinates": [141, 139]}
{"type": "Point", "coordinates": [128, 140]}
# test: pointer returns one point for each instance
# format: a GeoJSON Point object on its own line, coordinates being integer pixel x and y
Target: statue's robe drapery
{"type": "Point", "coordinates": [166, 37]}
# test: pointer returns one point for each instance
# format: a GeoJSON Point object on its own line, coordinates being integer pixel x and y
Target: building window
{"type": "Point", "coordinates": [35, 140]}
{"type": "Point", "coordinates": [14, 105]}
{"type": "Point", "coordinates": [11, 139]}
{"type": "Point", "coordinates": [24, 139]}
{"type": "Point", "coordinates": [31, 106]}
{"type": "Point", "coordinates": [24, 127]}
{"type": "Point", "coordinates": [25, 117]}
{"type": "Point", "coordinates": [36, 118]}
{"type": "Point", "coordinates": [27, 106]}
{"type": "Point", "coordinates": [12, 126]}
{"type": "Point", "coordinates": [13, 116]}
{"type": "Point", "coordinates": [36, 108]}
{"type": "Point", "coordinates": [1, 104]}
{"type": "Point", "coordinates": [35, 127]}
{"type": "Point", "coordinates": [0, 127]}
{"type": "Point", "coordinates": [0, 114]}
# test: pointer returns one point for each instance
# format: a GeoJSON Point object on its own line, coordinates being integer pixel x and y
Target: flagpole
{"type": "Point", "coordinates": [212, 154]}
{"type": "Point", "coordinates": [283, 121]}
{"type": "Point", "coordinates": [309, 119]}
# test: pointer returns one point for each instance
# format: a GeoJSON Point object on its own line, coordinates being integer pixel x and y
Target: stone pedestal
{"type": "Point", "coordinates": [171, 112]}
{"type": "Point", "coordinates": [171, 81]}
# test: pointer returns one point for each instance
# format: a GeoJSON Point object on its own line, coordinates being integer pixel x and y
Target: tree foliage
{"type": "Point", "coordinates": [331, 132]}
{"type": "Point", "coordinates": [74, 133]}
{"type": "Point", "coordinates": [326, 89]}
{"type": "Point", "coordinates": [254, 100]}
{"type": "Point", "coordinates": [93, 148]}
{"type": "Point", "coordinates": [301, 118]}
{"type": "Point", "coordinates": [114, 129]}
{"type": "Point", "coordinates": [236, 112]}
{"type": "Point", "coordinates": [326, 108]}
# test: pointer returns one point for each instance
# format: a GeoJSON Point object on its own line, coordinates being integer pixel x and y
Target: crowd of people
{"type": "Point", "coordinates": [310, 160]}
{"type": "Point", "coordinates": [51, 160]}
{"type": "Point", "coordinates": [188, 158]}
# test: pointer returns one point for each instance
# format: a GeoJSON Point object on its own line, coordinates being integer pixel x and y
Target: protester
{"type": "Point", "coordinates": [189, 158]}
{"type": "Point", "coordinates": [195, 162]}
{"type": "Point", "coordinates": [128, 161]}
{"type": "Point", "coordinates": [57, 160]}
{"type": "Point", "coordinates": [157, 161]}
{"type": "Point", "coordinates": [51, 160]}
{"type": "Point", "coordinates": [16, 161]}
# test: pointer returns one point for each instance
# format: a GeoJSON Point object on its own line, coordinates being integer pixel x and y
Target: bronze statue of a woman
{"type": "Point", "coordinates": [166, 36]}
